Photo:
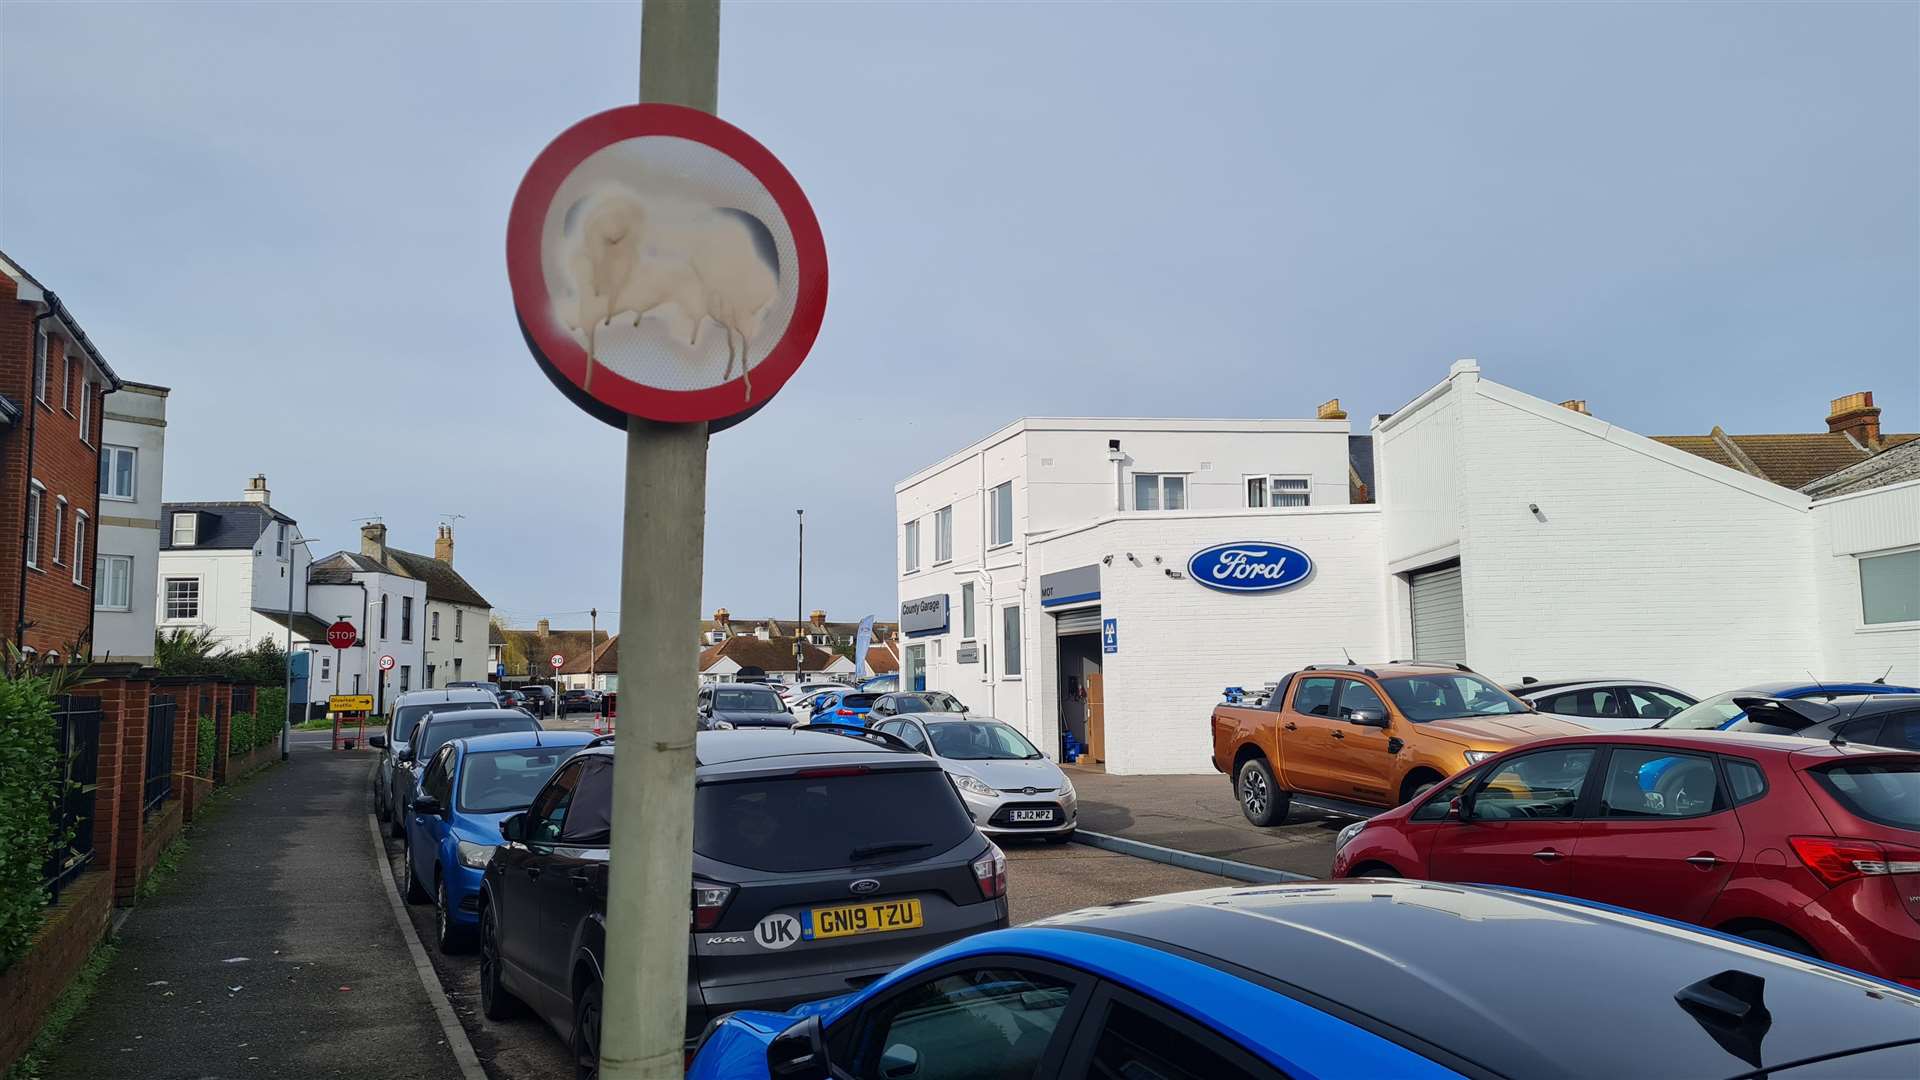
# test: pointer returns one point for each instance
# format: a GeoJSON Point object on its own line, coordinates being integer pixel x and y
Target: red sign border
{"type": "Point", "coordinates": [351, 628]}
{"type": "Point", "coordinates": [613, 397]}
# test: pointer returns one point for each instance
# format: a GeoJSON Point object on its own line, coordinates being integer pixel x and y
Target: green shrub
{"type": "Point", "coordinates": [271, 705]}
{"type": "Point", "coordinates": [29, 786]}
{"type": "Point", "coordinates": [205, 738]}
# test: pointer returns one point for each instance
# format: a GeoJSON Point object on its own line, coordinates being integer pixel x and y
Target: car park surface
{"type": "Point", "coordinates": [1797, 844]}
{"type": "Point", "coordinates": [1332, 980]}
{"type": "Point", "coordinates": [453, 824]}
{"type": "Point", "coordinates": [820, 864]}
{"type": "Point", "coordinates": [1366, 737]}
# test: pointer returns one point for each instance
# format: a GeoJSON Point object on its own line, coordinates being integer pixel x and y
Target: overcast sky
{"type": "Point", "coordinates": [294, 217]}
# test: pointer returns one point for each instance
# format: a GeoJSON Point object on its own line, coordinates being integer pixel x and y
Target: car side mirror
{"type": "Point", "coordinates": [425, 804]}
{"type": "Point", "coordinates": [1367, 718]}
{"type": "Point", "coordinates": [800, 1052]}
{"type": "Point", "coordinates": [378, 742]}
{"type": "Point", "coordinates": [900, 1061]}
{"type": "Point", "coordinates": [510, 828]}
{"type": "Point", "coordinates": [1460, 808]}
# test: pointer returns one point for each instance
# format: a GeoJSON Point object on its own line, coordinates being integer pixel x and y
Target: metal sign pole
{"type": "Point", "coordinates": [650, 876]}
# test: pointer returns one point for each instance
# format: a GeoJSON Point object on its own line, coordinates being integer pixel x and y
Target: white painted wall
{"type": "Point", "coordinates": [1846, 527]}
{"type": "Point", "coordinates": [1181, 642]}
{"type": "Point", "coordinates": [133, 417]}
{"type": "Point", "coordinates": [469, 647]}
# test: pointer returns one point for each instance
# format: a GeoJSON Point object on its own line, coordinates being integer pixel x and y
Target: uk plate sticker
{"type": "Point", "coordinates": [776, 931]}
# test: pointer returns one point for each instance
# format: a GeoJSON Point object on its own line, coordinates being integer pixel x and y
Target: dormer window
{"type": "Point", "coordinates": [186, 528]}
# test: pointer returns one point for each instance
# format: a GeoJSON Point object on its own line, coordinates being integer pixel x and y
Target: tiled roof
{"type": "Point", "coordinates": [838, 631]}
{"type": "Point", "coordinates": [606, 659]}
{"type": "Point", "coordinates": [443, 582]}
{"type": "Point", "coordinates": [224, 526]}
{"type": "Point", "coordinates": [494, 636]}
{"type": "Point", "coordinates": [776, 655]}
{"type": "Point", "coordinates": [1893, 466]}
{"type": "Point", "coordinates": [339, 568]}
{"type": "Point", "coordinates": [570, 644]}
{"type": "Point", "coordinates": [881, 661]}
{"type": "Point", "coordinates": [1790, 460]}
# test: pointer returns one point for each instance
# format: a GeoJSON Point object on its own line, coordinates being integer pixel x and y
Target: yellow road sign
{"type": "Point", "coordinates": [350, 703]}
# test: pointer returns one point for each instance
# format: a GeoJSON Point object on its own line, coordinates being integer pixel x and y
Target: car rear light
{"type": "Point", "coordinates": [844, 712]}
{"type": "Point", "coordinates": [990, 870]}
{"type": "Point", "coordinates": [708, 902]}
{"type": "Point", "coordinates": [1837, 860]}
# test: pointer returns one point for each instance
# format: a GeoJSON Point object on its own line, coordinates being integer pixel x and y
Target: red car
{"type": "Point", "coordinates": [1799, 844]}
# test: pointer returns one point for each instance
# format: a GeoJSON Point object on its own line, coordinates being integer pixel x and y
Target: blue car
{"type": "Point", "coordinates": [1721, 712]}
{"type": "Point", "coordinates": [843, 707]}
{"type": "Point", "coordinates": [468, 787]}
{"type": "Point", "coordinates": [1336, 980]}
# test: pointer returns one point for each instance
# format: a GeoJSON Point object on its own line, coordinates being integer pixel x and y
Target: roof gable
{"type": "Point", "coordinates": [747, 650]}
{"type": "Point", "coordinates": [224, 526]}
{"type": "Point", "coordinates": [444, 583]}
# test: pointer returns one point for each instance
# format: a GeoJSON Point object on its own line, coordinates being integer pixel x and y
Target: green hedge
{"type": "Point", "coordinates": [271, 705]}
{"type": "Point", "coordinates": [205, 736]}
{"type": "Point", "coordinates": [29, 787]}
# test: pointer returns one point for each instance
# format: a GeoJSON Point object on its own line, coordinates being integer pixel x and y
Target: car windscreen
{"type": "Point", "coordinates": [1886, 792]}
{"type": "Point", "coordinates": [1709, 715]}
{"type": "Point", "coordinates": [1449, 696]}
{"type": "Point", "coordinates": [443, 729]}
{"type": "Point", "coordinates": [408, 715]}
{"type": "Point", "coordinates": [926, 703]}
{"type": "Point", "coordinates": [755, 700]}
{"type": "Point", "coordinates": [980, 741]}
{"type": "Point", "coordinates": [858, 701]}
{"type": "Point", "coordinates": [500, 780]}
{"type": "Point", "coordinates": [806, 823]}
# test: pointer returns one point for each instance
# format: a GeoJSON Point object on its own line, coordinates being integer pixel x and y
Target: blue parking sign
{"type": "Point", "coordinates": [1110, 635]}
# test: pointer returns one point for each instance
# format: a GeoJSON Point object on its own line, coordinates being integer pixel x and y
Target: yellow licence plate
{"type": "Point", "coordinates": [879, 917]}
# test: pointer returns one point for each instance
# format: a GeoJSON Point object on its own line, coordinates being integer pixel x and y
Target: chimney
{"type": "Point", "coordinates": [540, 628]}
{"type": "Point", "coordinates": [373, 542]}
{"type": "Point", "coordinates": [1856, 415]}
{"type": "Point", "coordinates": [722, 621]}
{"type": "Point", "coordinates": [762, 632]}
{"type": "Point", "coordinates": [1331, 410]}
{"type": "Point", "coordinates": [443, 545]}
{"type": "Point", "coordinates": [1578, 405]}
{"type": "Point", "coordinates": [257, 490]}
{"type": "Point", "coordinates": [818, 618]}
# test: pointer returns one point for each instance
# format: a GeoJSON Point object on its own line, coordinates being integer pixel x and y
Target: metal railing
{"type": "Point", "coordinates": [243, 698]}
{"type": "Point", "coordinates": [77, 733]}
{"type": "Point", "coordinates": [162, 712]}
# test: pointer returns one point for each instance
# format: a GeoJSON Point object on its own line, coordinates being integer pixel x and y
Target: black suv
{"type": "Point", "coordinates": [820, 864]}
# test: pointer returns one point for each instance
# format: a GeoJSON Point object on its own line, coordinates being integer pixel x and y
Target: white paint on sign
{"type": "Point", "coordinates": [777, 931]}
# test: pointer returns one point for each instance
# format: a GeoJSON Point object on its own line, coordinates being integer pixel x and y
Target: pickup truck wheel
{"type": "Point", "coordinates": [1261, 799]}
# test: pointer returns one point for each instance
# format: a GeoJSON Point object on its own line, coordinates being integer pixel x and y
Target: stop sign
{"type": "Point", "coordinates": [341, 635]}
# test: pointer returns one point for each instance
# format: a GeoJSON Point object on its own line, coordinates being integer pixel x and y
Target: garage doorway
{"type": "Point", "coordinates": [1082, 706]}
{"type": "Point", "coordinates": [1439, 615]}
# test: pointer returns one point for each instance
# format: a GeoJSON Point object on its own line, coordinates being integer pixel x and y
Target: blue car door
{"type": "Point", "coordinates": [428, 831]}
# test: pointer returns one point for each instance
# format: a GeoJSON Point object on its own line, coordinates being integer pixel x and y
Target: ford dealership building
{"type": "Point", "coordinates": [1096, 583]}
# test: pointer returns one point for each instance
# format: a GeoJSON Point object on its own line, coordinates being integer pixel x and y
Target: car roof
{"type": "Point", "coordinates": [1879, 703]}
{"type": "Point", "coordinates": [738, 686]}
{"type": "Point", "coordinates": [1528, 689]}
{"type": "Point", "coordinates": [524, 740]}
{"type": "Point", "coordinates": [1391, 670]}
{"type": "Point", "coordinates": [1458, 970]}
{"type": "Point", "coordinates": [442, 696]}
{"type": "Point", "coordinates": [477, 714]}
{"type": "Point", "coordinates": [1810, 689]}
{"type": "Point", "coordinates": [1710, 740]}
{"type": "Point", "coordinates": [951, 718]}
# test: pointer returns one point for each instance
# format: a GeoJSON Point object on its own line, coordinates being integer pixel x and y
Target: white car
{"type": "Point", "coordinates": [1603, 704]}
{"type": "Point", "coordinates": [1009, 788]}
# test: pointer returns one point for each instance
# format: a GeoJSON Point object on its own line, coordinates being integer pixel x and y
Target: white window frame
{"type": "Point", "coordinates": [433, 627]}
{"type": "Point", "coordinates": [41, 348]}
{"type": "Point", "coordinates": [59, 528]}
{"type": "Point", "coordinates": [1861, 624]}
{"type": "Point", "coordinates": [406, 618]}
{"type": "Point", "coordinates": [943, 535]}
{"type": "Point", "coordinates": [999, 522]}
{"type": "Point", "coordinates": [326, 667]}
{"type": "Point", "coordinates": [103, 578]}
{"type": "Point", "coordinates": [79, 547]}
{"type": "Point", "coordinates": [86, 409]}
{"type": "Point", "coordinates": [910, 547]}
{"type": "Point", "coordinates": [66, 385]}
{"type": "Point", "coordinates": [280, 540]}
{"type": "Point", "coordinates": [192, 521]}
{"type": "Point", "coordinates": [110, 458]}
{"type": "Point", "coordinates": [166, 599]}
{"type": "Point", "coordinates": [1160, 490]}
{"type": "Point", "coordinates": [459, 626]}
{"type": "Point", "coordinates": [1269, 485]}
{"type": "Point", "coordinates": [36, 495]}
{"type": "Point", "coordinates": [1011, 634]}
{"type": "Point", "coordinates": [966, 611]}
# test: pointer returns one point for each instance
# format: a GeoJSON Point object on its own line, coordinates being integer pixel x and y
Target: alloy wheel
{"type": "Point", "coordinates": [586, 1035]}
{"type": "Point", "coordinates": [1254, 792]}
{"type": "Point", "coordinates": [489, 961]}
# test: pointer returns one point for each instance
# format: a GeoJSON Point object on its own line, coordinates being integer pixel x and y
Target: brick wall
{"type": "Point", "coordinates": [66, 461]}
{"type": "Point", "coordinates": [29, 988]}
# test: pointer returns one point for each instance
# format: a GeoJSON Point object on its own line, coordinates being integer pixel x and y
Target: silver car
{"type": "Point", "coordinates": [409, 709]}
{"type": "Point", "coordinates": [1603, 704]}
{"type": "Point", "coordinates": [1009, 788]}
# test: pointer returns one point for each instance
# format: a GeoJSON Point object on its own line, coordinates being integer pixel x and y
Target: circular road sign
{"type": "Point", "coordinates": [556, 660]}
{"type": "Point", "coordinates": [341, 635]}
{"type": "Point", "coordinates": [665, 265]}
{"type": "Point", "coordinates": [386, 662]}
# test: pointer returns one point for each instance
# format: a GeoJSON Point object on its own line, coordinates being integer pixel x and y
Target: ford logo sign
{"type": "Point", "coordinates": [865, 886]}
{"type": "Point", "coordinates": [1249, 566]}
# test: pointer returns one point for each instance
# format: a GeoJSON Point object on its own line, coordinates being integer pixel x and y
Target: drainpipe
{"type": "Point", "coordinates": [26, 520]}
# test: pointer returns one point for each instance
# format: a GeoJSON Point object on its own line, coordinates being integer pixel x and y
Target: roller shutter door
{"type": "Point", "coordinates": [1083, 621]}
{"type": "Point", "coordinates": [1439, 618]}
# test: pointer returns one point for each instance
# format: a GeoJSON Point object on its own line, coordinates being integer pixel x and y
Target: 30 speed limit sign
{"type": "Point", "coordinates": [556, 660]}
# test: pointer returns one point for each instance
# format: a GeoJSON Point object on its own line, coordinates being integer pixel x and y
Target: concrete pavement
{"type": "Point", "coordinates": [1199, 814]}
{"type": "Point", "coordinates": [272, 952]}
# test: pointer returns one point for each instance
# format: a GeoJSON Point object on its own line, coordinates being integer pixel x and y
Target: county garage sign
{"type": "Point", "coordinates": [1249, 566]}
{"type": "Point", "coordinates": [664, 265]}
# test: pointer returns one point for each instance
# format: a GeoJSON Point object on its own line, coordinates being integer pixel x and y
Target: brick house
{"type": "Point", "coordinates": [52, 379]}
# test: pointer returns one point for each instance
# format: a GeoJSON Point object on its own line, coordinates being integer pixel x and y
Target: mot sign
{"type": "Point", "coordinates": [665, 265]}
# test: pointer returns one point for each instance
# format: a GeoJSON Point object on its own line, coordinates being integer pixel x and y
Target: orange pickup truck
{"type": "Point", "coordinates": [1362, 739]}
